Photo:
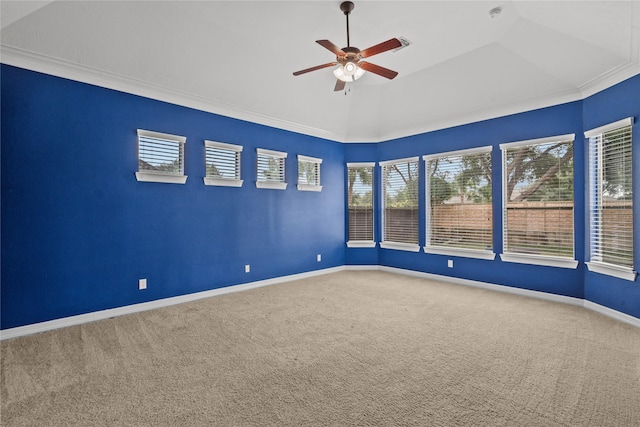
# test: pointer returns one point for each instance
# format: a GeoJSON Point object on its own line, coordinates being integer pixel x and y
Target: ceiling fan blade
{"type": "Point", "coordinates": [317, 67]}
{"type": "Point", "coordinates": [332, 47]}
{"type": "Point", "coordinates": [339, 85]}
{"type": "Point", "coordinates": [376, 69]}
{"type": "Point", "coordinates": [381, 47]}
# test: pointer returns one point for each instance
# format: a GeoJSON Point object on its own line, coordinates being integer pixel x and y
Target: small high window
{"type": "Point", "coordinates": [309, 173]}
{"type": "Point", "coordinates": [160, 157]}
{"type": "Point", "coordinates": [270, 169]}
{"type": "Point", "coordinates": [222, 164]}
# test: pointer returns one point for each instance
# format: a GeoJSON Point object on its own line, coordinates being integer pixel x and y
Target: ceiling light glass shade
{"type": "Point", "coordinates": [349, 72]}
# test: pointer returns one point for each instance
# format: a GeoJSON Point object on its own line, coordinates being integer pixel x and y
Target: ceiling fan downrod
{"type": "Point", "coordinates": [347, 7]}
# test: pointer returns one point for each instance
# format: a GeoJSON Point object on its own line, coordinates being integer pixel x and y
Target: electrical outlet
{"type": "Point", "coordinates": [450, 263]}
{"type": "Point", "coordinates": [319, 258]}
{"type": "Point", "coordinates": [142, 284]}
{"type": "Point", "coordinates": [247, 268]}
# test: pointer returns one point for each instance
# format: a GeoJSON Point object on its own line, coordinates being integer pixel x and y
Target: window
{"type": "Point", "coordinates": [400, 204]}
{"type": "Point", "coordinates": [160, 157]}
{"type": "Point", "coordinates": [459, 212]}
{"type": "Point", "coordinates": [360, 203]}
{"type": "Point", "coordinates": [538, 201]}
{"type": "Point", "coordinates": [309, 173]}
{"type": "Point", "coordinates": [270, 169]}
{"type": "Point", "coordinates": [611, 200]}
{"type": "Point", "coordinates": [222, 164]}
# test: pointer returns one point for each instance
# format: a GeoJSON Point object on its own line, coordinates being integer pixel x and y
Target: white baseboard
{"type": "Point", "coordinates": [614, 314]}
{"type": "Point", "coordinates": [165, 302]}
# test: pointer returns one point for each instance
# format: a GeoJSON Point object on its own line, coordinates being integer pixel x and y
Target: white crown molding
{"type": "Point", "coordinates": [69, 70]}
{"type": "Point", "coordinates": [65, 69]}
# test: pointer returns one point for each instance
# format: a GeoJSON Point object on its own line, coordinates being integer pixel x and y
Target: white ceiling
{"type": "Point", "coordinates": [236, 58]}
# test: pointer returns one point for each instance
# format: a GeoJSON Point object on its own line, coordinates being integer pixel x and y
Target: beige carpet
{"type": "Point", "coordinates": [345, 349]}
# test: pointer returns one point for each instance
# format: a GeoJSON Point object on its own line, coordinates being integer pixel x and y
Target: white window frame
{"type": "Point", "coordinates": [533, 259]}
{"type": "Point", "coordinates": [316, 162]}
{"type": "Point", "coordinates": [228, 149]}
{"type": "Point", "coordinates": [593, 136]}
{"type": "Point", "coordinates": [386, 244]}
{"type": "Point", "coordinates": [278, 156]}
{"type": "Point", "coordinates": [452, 251]}
{"type": "Point", "coordinates": [146, 175]}
{"type": "Point", "coordinates": [363, 243]}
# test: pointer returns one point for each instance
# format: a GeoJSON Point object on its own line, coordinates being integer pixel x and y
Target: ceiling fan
{"type": "Point", "coordinates": [349, 58]}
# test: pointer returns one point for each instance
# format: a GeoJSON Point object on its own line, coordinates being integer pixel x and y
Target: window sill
{"type": "Point", "coordinates": [409, 247]}
{"type": "Point", "coordinates": [307, 187]}
{"type": "Point", "coordinates": [361, 244]}
{"type": "Point", "coordinates": [158, 177]}
{"type": "Point", "coordinates": [549, 261]}
{"type": "Point", "coordinates": [271, 185]}
{"type": "Point", "coordinates": [625, 273]}
{"type": "Point", "coordinates": [468, 253]}
{"type": "Point", "coordinates": [223, 182]}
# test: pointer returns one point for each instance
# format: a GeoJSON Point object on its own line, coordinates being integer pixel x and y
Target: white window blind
{"type": "Point", "coordinates": [400, 202]}
{"type": "Point", "coordinates": [222, 164]}
{"type": "Point", "coordinates": [611, 196]}
{"type": "Point", "coordinates": [459, 213]}
{"type": "Point", "coordinates": [271, 169]}
{"type": "Point", "coordinates": [160, 157]}
{"type": "Point", "coordinates": [538, 197]}
{"type": "Point", "coordinates": [309, 173]}
{"type": "Point", "coordinates": [360, 203]}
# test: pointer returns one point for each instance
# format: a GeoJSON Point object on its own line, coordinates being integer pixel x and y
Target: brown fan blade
{"type": "Point", "coordinates": [376, 69]}
{"type": "Point", "coordinates": [317, 67]}
{"type": "Point", "coordinates": [379, 48]}
{"type": "Point", "coordinates": [339, 85]}
{"type": "Point", "coordinates": [332, 47]}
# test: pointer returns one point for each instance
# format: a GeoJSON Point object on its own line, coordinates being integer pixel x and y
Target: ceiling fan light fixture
{"type": "Point", "coordinates": [348, 72]}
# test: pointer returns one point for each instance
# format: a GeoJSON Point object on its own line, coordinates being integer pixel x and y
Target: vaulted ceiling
{"type": "Point", "coordinates": [236, 58]}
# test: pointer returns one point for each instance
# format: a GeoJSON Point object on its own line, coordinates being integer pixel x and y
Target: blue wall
{"type": "Point", "coordinates": [78, 230]}
{"type": "Point", "coordinates": [557, 120]}
{"type": "Point", "coordinates": [615, 103]}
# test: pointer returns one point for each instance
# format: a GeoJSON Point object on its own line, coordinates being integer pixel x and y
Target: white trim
{"type": "Point", "coordinates": [223, 145]}
{"type": "Point", "coordinates": [608, 127]}
{"type": "Point", "coordinates": [272, 185]}
{"type": "Point", "coordinates": [151, 305]}
{"type": "Point", "coordinates": [612, 270]}
{"type": "Point", "coordinates": [309, 187]}
{"type": "Point", "coordinates": [467, 253]}
{"type": "Point", "coordinates": [614, 314]}
{"type": "Point", "coordinates": [165, 302]}
{"type": "Point", "coordinates": [160, 135]}
{"type": "Point", "coordinates": [560, 138]}
{"type": "Point", "coordinates": [272, 153]}
{"type": "Point", "coordinates": [361, 164]}
{"type": "Point", "coordinates": [490, 286]}
{"type": "Point", "coordinates": [159, 177]}
{"type": "Point", "coordinates": [222, 182]}
{"type": "Point", "coordinates": [361, 244]}
{"type": "Point", "coordinates": [405, 160]}
{"type": "Point", "coordinates": [476, 150]}
{"type": "Point", "coordinates": [85, 74]}
{"type": "Point", "coordinates": [532, 259]}
{"type": "Point", "coordinates": [410, 247]}
{"type": "Point", "coordinates": [302, 158]}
